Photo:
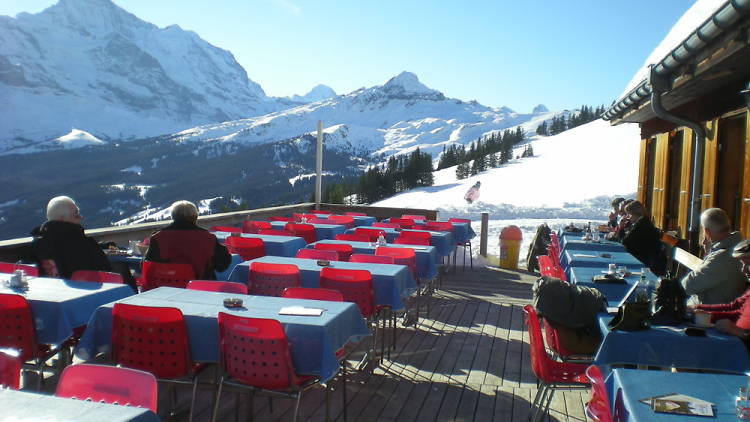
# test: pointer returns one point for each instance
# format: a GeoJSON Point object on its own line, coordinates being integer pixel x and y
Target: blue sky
{"type": "Point", "coordinates": [500, 53]}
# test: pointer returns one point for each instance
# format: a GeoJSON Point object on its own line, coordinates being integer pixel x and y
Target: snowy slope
{"type": "Point", "coordinates": [569, 179]}
{"type": "Point", "coordinates": [396, 117]}
{"type": "Point", "coordinates": [91, 65]}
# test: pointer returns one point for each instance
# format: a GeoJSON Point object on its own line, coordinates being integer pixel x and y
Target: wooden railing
{"type": "Point", "coordinates": [14, 249]}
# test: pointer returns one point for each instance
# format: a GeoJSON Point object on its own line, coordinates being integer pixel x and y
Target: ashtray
{"type": "Point", "coordinates": [606, 255]}
{"type": "Point", "coordinates": [324, 263]}
{"type": "Point", "coordinates": [233, 302]}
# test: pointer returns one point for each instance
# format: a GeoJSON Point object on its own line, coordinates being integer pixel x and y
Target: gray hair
{"type": "Point", "coordinates": [60, 207]}
{"type": "Point", "coordinates": [184, 211]}
{"type": "Point", "coordinates": [715, 220]}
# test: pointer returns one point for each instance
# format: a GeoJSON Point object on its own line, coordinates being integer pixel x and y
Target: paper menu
{"type": "Point", "coordinates": [584, 255]}
{"type": "Point", "coordinates": [301, 311]}
{"type": "Point", "coordinates": [679, 404]}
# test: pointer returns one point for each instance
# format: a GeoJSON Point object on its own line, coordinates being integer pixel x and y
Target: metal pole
{"type": "Point", "coordinates": [483, 234]}
{"type": "Point", "coordinates": [319, 166]}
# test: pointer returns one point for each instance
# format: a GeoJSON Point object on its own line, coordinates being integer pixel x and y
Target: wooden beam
{"type": "Point", "coordinates": [483, 234]}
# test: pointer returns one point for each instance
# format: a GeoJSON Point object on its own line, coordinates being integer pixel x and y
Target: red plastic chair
{"type": "Point", "coordinates": [352, 237]}
{"type": "Point", "coordinates": [401, 256]}
{"type": "Point", "coordinates": [546, 267]}
{"type": "Point", "coordinates": [228, 229]}
{"type": "Point", "coordinates": [318, 254]}
{"type": "Point", "coordinates": [411, 240]}
{"type": "Point", "coordinates": [555, 259]}
{"type": "Point", "coordinates": [154, 340]}
{"type": "Point", "coordinates": [414, 217]}
{"type": "Point", "coordinates": [275, 232]}
{"type": "Point", "coordinates": [420, 227]}
{"type": "Point", "coordinates": [217, 286]}
{"type": "Point", "coordinates": [255, 226]}
{"type": "Point", "coordinates": [417, 235]}
{"type": "Point", "coordinates": [555, 242]}
{"type": "Point", "coordinates": [305, 231]}
{"type": "Point", "coordinates": [552, 375]}
{"type": "Point", "coordinates": [597, 408]}
{"type": "Point", "coordinates": [10, 268]}
{"type": "Point", "coordinates": [346, 220]}
{"type": "Point", "coordinates": [355, 285]}
{"type": "Point", "coordinates": [387, 225]}
{"type": "Point", "coordinates": [372, 234]}
{"type": "Point", "coordinates": [267, 279]}
{"type": "Point", "coordinates": [372, 259]}
{"type": "Point", "coordinates": [313, 294]}
{"type": "Point", "coordinates": [18, 333]}
{"type": "Point", "coordinates": [157, 274]}
{"type": "Point", "coordinates": [109, 384]}
{"type": "Point", "coordinates": [343, 249]}
{"type": "Point", "coordinates": [405, 223]}
{"type": "Point", "coordinates": [439, 226]}
{"type": "Point", "coordinates": [287, 219]}
{"type": "Point", "coordinates": [10, 370]}
{"type": "Point", "coordinates": [355, 214]}
{"type": "Point", "coordinates": [255, 352]}
{"type": "Point", "coordinates": [246, 247]}
{"type": "Point", "coordinates": [97, 276]}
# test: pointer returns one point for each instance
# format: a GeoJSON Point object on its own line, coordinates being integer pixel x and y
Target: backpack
{"type": "Point", "coordinates": [538, 247]}
{"type": "Point", "coordinates": [568, 305]}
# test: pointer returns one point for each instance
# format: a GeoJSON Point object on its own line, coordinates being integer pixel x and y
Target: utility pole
{"type": "Point", "coordinates": [319, 166]}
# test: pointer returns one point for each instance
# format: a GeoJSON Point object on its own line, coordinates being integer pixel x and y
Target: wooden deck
{"type": "Point", "coordinates": [467, 361]}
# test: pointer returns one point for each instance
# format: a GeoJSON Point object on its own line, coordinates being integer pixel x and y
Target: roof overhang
{"type": "Point", "coordinates": [715, 55]}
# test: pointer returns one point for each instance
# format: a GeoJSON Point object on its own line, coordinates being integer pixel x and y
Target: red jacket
{"type": "Point", "coordinates": [730, 311]}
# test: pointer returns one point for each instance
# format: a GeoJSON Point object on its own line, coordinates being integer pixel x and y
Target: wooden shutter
{"type": "Point", "coordinates": [660, 179]}
{"type": "Point", "coordinates": [683, 216]}
{"type": "Point", "coordinates": [642, 172]}
{"type": "Point", "coordinates": [745, 206]}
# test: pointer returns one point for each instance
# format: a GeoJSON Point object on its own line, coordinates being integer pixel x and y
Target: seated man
{"type": "Point", "coordinates": [60, 247]}
{"type": "Point", "coordinates": [719, 278]}
{"type": "Point", "coordinates": [731, 310]}
{"type": "Point", "coordinates": [183, 242]}
{"type": "Point", "coordinates": [731, 318]}
{"type": "Point", "coordinates": [643, 240]}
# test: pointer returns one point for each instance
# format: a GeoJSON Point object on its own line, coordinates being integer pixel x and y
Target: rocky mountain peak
{"type": "Point", "coordinates": [541, 108]}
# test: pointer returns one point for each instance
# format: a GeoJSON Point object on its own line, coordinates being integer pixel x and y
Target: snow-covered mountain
{"type": "Point", "coordinates": [89, 64]}
{"type": "Point", "coordinates": [396, 117]}
{"type": "Point", "coordinates": [318, 93]}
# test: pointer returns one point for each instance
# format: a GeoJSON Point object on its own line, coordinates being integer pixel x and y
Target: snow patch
{"type": "Point", "coordinates": [133, 169]}
{"type": "Point", "coordinates": [295, 179]}
{"type": "Point", "coordinates": [78, 138]}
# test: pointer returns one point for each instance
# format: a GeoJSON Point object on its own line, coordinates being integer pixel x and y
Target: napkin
{"type": "Point", "coordinates": [301, 311]}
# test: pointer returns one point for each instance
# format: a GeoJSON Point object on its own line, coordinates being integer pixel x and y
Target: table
{"type": "Point", "coordinates": [461, 231]}
{"type": "Point", "coordinates": [444, 241]}
{"type": "Point", "coordinates": [426, 255]}
{"type": "Point", "coordinates": [359, 220]}
{"type": "Point", "coordinates": [390, 282]}
{"type": "Point", "coordinates": [25, 406]}
{"type": "Point", "coordinates": [594, 259]}
{"type": "Point", "coordinates": [615, 292]}
{"type": "Point", "coordinates": [588, 245]}
{"type": "Point", "coordinates": [58, 306]}
{"type": "Point", "coordinates": [625, 387]}
{"type": "Point", "coordinates": [274, 245]}
{"type": "Point", "coordinates": [322, 231]}
{"type": "Point", "coordinates": [670, 346]}
{"type": "Point", "coordinates": [314, 339]}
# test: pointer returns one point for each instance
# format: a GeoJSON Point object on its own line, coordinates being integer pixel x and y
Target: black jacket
{"type": "Point", "coordinates": [67, 245]}
{"type": "Point", "coordinates": [643, 240]}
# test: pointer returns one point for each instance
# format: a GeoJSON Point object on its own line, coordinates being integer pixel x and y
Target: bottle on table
{"type": "Point", "coordinates": [381, 240]}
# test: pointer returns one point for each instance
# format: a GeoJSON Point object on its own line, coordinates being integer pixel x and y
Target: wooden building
{"type": "Point", "coordinates": [692, 110]}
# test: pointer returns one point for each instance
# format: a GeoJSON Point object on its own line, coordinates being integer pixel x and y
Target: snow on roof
{"type": "Point", "coordinates": [689, 22]}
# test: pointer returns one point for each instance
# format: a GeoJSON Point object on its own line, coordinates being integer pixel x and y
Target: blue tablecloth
{"type": "Point", "coordinates": [58, 306]}
{"type": "Point", "coordinates": [443, 241]}
{"type": "Point", "coordinates": [274, 245]}
{"type": "Point", "coordinates": [614, 292]}
{"type": "Point", "coordinates": [224, 275]}
{"type": "Point", "coordinates": [427, 256]}
{"type": "Point", "coordinates": [587, 245]}
{"type": "Point", "coordinates": [670, 346]}
{"type": "Point", "coordinates": [322, 231]}
{"type": "Point", "coordinates": [390, 282]}
{"type": "Point", "coordinates": [595, 259]}
{"type": "Point", "coordinates": [625, 387]}
{"type": "Point", "coordinates": [314, 339]}
{"type": "Point", "coordinates": [462, 232]}
{"type": "Point", "coordinates": [27, 406]}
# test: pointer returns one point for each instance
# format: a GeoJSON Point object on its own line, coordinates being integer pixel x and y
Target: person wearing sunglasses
{"type": "Point", "coordinates": [60, 246]}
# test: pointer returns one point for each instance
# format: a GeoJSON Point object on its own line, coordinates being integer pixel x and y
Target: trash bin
{"type": "Point", "coordinates": [510, 245]}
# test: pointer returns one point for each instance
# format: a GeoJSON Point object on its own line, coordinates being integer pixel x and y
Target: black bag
{"type": "Point", "coordinates": [568, 305]}
{"type": "Point", "coordinates": [538, 247]}
{"type": "Point", "coordinates": [632, 316]}
{"type": "Point", "coordinates": [669, 303]}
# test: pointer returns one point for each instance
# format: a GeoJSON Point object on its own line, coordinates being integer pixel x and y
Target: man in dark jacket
{"type": "Point", "coordinates": [643, 240]}
{"type": "Point", "coordinates": [60, 247]}
{"type": "Point", "coordinates": [183, 242]}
